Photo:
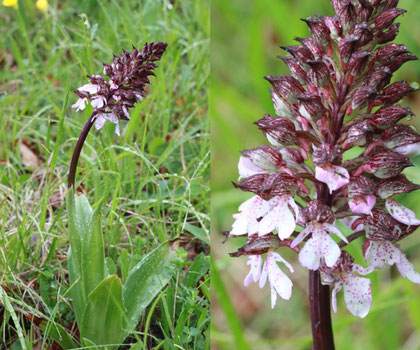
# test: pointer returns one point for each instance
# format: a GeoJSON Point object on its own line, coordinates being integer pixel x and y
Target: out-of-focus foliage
{"type": "Point", "coordinates": [244, 44]}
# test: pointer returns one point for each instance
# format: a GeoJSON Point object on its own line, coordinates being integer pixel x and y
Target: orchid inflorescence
{"type": "Point", "coordinates": [337, 101]}
{"type": "Point", "coordinates": [128, 76]}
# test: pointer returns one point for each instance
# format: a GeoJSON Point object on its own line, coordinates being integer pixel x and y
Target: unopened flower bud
{"type": "Point", "coordinates": [358, 63]}
{"type": "Point", "coordinates": [267, 158]}
{"type": "Point", "coordinates": [347, 47]}
{"type": "Point", "coordinates": [386, 52]}
{"type": "Point", "coordinates": [318, 29]}
{"type": "Point", "coordinates": [317, 211]}
{"type": "Point", "coordinates": [347, 15]}
{"type": "Point", "coordinates": [310, 106]}
{"type": "Point", "coordinates": [356, 136]}
{"type": "Point", "coordinates": [399, 60]}
{"type": "Point", "coordinates": [393, 93]}
{"type": "Point", "coordinates": [384, 164]}
{"type": "Point", "coordinates": [385, 19]}
{"type": "Point", "coordinates": [295, 68]}
{"type": "Point", "coordinates": [363, 32]}
{"type": "Point", "coordinates": [362, 97]}
{"type": "Point", "coordinates": [360, 186]}
{"type": "Point", "coordinates": [399, 135]}
{"type": "Point", "coordinates": [269, 185]}
{"type": "Point", "coordinates": [379, 78]}
{"type": "Point", "coordinates": [316, 49]}
{"type": "Point", "coordinates": [325, 153]}
{"type": "Point", "coordinates": [279, 131]}
{"type": "Point", "coordinates": [286, 87]}
{"type": "Point", "coordinates": [365, 10]}
{"type": "Point", "coordinates": [302, 53]}
{"type": "Point", "coordinates": [380, 226]}
{"type": "Point", "coordinates": [334, 26]}
{"type": "Point", "coordinates": [389, 35]}
{"type": "Point", "coordinates": [396, 185]}
{"type": "Point", "coordinates": [389, 115]}
{"type": "Point", "coordinates": [319, 73]}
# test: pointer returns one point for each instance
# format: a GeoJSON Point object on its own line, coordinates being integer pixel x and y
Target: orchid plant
{"type": "Point", "coordinates": [106, 309]}
{"type": "Point", "coordinates": [337, 102]}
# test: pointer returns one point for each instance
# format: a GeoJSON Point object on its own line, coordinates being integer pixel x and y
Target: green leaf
{"type": "Point", "coordinates": [198, 232]}
{"type": "Point", "coordinates": [87, 258]}
{"type": "Point", "coordinates": [102, 321]}
{"type": "Point", "coordinates": [145, 281]}
{"type": "Point", "coordinates": [198, 269]}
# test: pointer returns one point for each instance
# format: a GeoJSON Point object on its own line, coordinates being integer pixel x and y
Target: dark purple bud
{"type": "Point", "coordinates": [317, 211]}
{"type": "Point", "coordinates": [286, 87]}
{"type": "Point", "coordinates": [396, 185]}
{"type": "Point", "coordinates": [347, 15]}
{"type": "Point", "coordinates": [337, 5]}
{"type": "Point", "coordinates": [357, 134]}
{"type": "Point", "coordinates": [326, 153]}
{"type": "Point", "coordinates": [318, 29]}
{"type": "Point", "coordinates": [310, 106]}
{"type": "Point", "coordinates": [385, 19]}
{"type": "Point", "coordinates": [380, 226]}
{"type": "Point", "coordinates": [387, 116]}
{"type": "Point", "coordinates": [318, 74]}
{"type": "Point", "coordinates": [358, 63]}
{"type": "Point", "coordinates": [302, 53]}
{"type": "Point", "coordinates": [388, 51]}
{"type": "Point", "coordinates": [387, 4]}
{"type": "Point", "coordinates": [316, 49]}
{"type": "Point", "coordinates": [389, 35]}
{"type": "Point", "coordinates": [347, 47]}
{"type": "Point", "coordinates": [363, 32]}
{"type": "Point", "coordinates": [295, 68]}
{"type": "Point", "coordinates": [365, 10]}
{"type": "Point", "coordinates": [384, 164]}
{"type": "Point", "coordinates": [280, 130]}
{"type": "Point", "coordinates": [393, 93]}
{"type": "Point", "coordinates": [379, 78]}
{"type": "Point", "coordinates": [399, 60]}
{"type": "Point", "coordinates": [363, 97]}
{"type": "Point", "coordinates": [267, 158]}
{"type": "Point", "coordinates": [334, 26]}
{"type": "Point", "coordinates": [269, 185]}
{"type": "Point", "coordinates": [360, 186]}
{"type": "Point", "coordinates": [399, 135]}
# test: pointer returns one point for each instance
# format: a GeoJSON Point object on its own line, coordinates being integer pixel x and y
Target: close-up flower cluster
{"type": "Point", "coordinates": [338, 149]}
{"type": "Point", "coordinates": [128, 75]}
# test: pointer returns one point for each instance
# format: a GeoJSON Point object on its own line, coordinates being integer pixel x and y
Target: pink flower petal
{"type": "Point", "coordinates": [401, 213]}
{"type": "Point", "coordinates": [100, 121]}
{"type": "Point", "coordinates": [98, 101]}
{"type": "Point", "coordinates": [278, 218]}
{"type": "Point", "coordinates": [362, 205]}
{"type": "Point", "coordinates": [255, 262]}
{"type": "Point", "coordinates": [349, 222]}
{"type": "Point", "coordinates": [302, 235]}
{"type": "Point", "coordinates": [246, 168]}
{"type": "Point", "coordinates": [277, 278]}
{"type": "Point", "coordinates": [80, 104]}
{"type": "Point", "coordinates": [337, 287]}
{"type": "Point", "coordinates": [333, 175]}
{"type": "Point", "coordinates": [380, 253]}
{"type": "Point", "coordinates": [334, 230]}
{"type": "Point", "coordinates": [321, 245]}
{"type": "Point", "coordinates": [250, 210]}
{"type": "Point", "coordinates": [90, 88]}
{"type": "Point", "coordinates": [357, 295]}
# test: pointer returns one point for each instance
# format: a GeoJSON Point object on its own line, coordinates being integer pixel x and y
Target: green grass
{"type": "Point", "coordinates": [152, 183]}
{"type": "Point", "coordinates": [244, 45]}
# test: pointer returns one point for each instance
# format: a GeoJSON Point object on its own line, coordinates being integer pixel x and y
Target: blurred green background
{"type": "Point", "coordinates": [245, 36]}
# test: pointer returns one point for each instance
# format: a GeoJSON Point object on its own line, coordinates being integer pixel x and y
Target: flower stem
{"type": "Point", "coordinates": [78, 150]}
{"type": "Point", "coordinates": [319, 300]}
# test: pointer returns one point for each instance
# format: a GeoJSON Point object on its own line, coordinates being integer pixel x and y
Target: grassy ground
{"type": "Point", "coordinates": [245, 40]}
{"type": "Point", "coordinates": [152, 183]}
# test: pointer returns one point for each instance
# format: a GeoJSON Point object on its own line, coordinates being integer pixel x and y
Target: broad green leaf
{"type": "Point", "coordinates": [86, 257]}
{"type": "Point", "coordinates": [145, 281]}
{"type": "Point", "coordinates": [102, 321]}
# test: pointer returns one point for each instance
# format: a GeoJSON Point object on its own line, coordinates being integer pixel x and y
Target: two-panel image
{"type": "Point", "coordinates": [209, 174]}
